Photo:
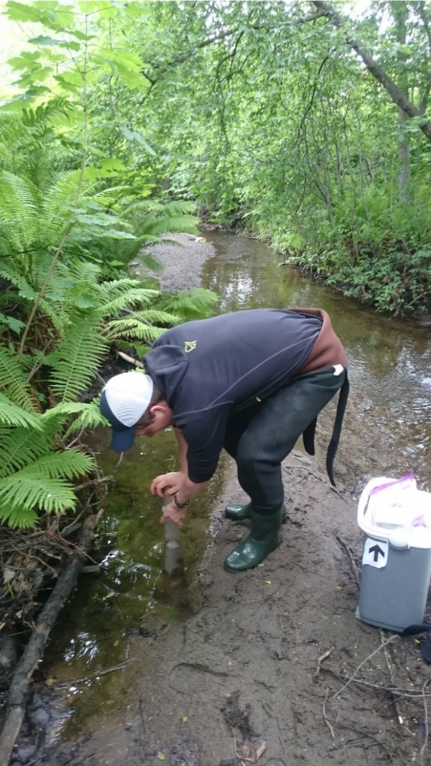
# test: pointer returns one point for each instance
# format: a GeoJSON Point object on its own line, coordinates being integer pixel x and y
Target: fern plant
{"type": "Point", "coordinates": [59, 313]}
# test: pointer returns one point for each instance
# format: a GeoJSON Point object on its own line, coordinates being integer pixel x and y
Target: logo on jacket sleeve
{"type": "Point", "coordinates": [190, 345]}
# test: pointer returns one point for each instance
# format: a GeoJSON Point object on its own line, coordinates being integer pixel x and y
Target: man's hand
{"type": "Point", "coordinates": [167, 483]}
{"type": "Point", "coordinates": [171, 511]}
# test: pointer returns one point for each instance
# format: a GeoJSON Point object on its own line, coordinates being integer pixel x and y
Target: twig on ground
{"type": "Point", "coordinates": [426, 724]}
{"type": "Point", "coordinates": [23, 674]}
{"type": "Point", "coordinates": [325, 717]}
{"type": "Point", "coordinates": [349, 555]}
{"type": "Point", "coordinates": [392, 638]}
{"type": "Point", "coordinates": [130, 359]}
{"type": "Point", "coordinates": [93, 483]}
{"type": "Point", "coordinates": [334, 489]}
{"type": "Point", "coordinates": [321, 659]}
{"type": "Point", "coordinates": [404, 693]}
{"type": "Point", "coordinates": [84, 679]}
{"type": "Point", "coordinates": [364, 733]}
{"type": "Point", "coordinates": [391, 675]}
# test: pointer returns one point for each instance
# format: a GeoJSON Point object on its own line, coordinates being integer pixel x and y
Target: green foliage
{"type": "Point", "coordinates": [65, 231]}
{"type": "Point", "coordinates": [268, 122]}
{"type": "Point", "coordinates": [191, 304]}
{"type": "Point", "coordinates": [14, 380]}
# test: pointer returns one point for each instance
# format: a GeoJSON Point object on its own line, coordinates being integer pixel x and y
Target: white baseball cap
{"type": "Point", "coordinates": [123, 401]}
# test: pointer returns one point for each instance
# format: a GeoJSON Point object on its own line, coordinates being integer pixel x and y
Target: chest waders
{"type": "Point", "coordinates": [260, 438]}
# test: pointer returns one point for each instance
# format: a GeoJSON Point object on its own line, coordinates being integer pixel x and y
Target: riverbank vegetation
{"type": "Point", "coordinates": [297, 122]}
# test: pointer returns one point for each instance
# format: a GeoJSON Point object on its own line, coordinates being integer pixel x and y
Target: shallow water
{"type": "Point", "coordinates": [386, 432]}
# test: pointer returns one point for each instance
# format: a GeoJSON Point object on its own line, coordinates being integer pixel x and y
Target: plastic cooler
{"type": "Point", "coordinates": [396, 568]}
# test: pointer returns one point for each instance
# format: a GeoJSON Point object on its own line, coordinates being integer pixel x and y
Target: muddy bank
{"type": "Point", "coordinates": [260, 634]}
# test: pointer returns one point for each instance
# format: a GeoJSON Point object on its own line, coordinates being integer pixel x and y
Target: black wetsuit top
{"type": "Point", "coordinates": [210, 369]}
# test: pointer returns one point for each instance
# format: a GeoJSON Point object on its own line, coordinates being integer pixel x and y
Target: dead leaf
{"type": "Point", "coordinates": [251, 750]}
{"type": "Point", "coordinates": [8, 575]}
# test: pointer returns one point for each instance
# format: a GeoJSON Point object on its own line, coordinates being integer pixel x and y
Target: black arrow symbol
{"type": "Point", "coordinates": [376, 550]}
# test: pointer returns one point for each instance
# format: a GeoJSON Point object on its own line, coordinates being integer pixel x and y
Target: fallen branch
{"type": "Point", "coordinates": [34, 650]}
{"type": "Point", "coordinates": [391, 676]}
{"type": "Point", "coordinates": [130, 359]}
{"type": "Point", "coordinates": [325, 717]}
{"type": "Point", "coordinates": [363, 733]}
{"type": "Point", "coordinates": [425, 744]}
{"type": "Point", "coordinates": [349, 555]}
{"type": "Point", "coordinates": [361, 665]}
{"type": "Point", "coordinates": [84, 679]}
{"type": "Point", "coordinates": [396, 691]}
{"type": "Point", "coordinates": [320, 660]}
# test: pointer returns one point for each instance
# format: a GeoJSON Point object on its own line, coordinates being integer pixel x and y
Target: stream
{"type": "Point", "coordinates": [386, 432]}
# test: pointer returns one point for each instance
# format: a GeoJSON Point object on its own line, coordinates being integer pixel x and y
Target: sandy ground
{"type": "Point", "coordinates": [274, 668]}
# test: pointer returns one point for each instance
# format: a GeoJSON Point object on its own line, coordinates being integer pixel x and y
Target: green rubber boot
{"type": "Point", "coordinates": [263, 538]}
{"type": "Point", "coordinates": [237, 512]}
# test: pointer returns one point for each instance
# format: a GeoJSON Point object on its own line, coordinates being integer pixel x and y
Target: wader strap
{"type": "Point", "coordinates": [333, 444]}
{"type": "Point", "coordinates": [308, 437]}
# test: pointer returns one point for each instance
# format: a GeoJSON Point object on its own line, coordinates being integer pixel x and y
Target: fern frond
{"type": "Point", "coordinates": [172, 208]}
{"type": "Point", "coordinates": [21, 446]}
{"type": "Point", "coordinates": [127, 300]}
{"type": "Point", "coordinates": [158, 316]}
{"type": "Point", "coordinates": [17, 516]}
{"type": "Point", "coordinates": [61, 193]}
{"type": "Point", "coordinates": [13, 380]}
{"type": "Point", "coordinates": [157, 226]}
{"type": "Point", "coordinates": [59, 465]}
{"type": "Point", "coordinates": [143, 206]}
{"type": "Point", "coordinates": [12, 415]}
{"type": "Point", "coordinates": [65, 409]}
{"type": "Point", "coordinates": [31, 491]}
{"type": "Point", "coordinates": [83, 271]}
{"type": "Point", "coordinates": [78, 356]}
{"type": "Point", "coordinates": [179, 208]}
{"type": "Point", "coordinates": [131, 327]}
{"type": "Point", "coordinates": [110, 290]}
{"type": "Point", "coordinates": [43, 484]}
{"type": "Point", "coordinates": [191, 304]}
{"type": "Point", "coordinates": [20, 227]}
{"type": "Point", "coordinates": [91, 417]}
{"type": "Point", "coordinates": [10, 270]}
{"type": "Point", "coordinates": [18, 197]}
{"type": "Point", "coordinates": [58, 313]}
{"type": "Point", "coordinates": [150, 261]}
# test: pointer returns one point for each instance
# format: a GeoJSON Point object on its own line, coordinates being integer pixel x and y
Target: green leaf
{"type": "Point", "coordinates": [12, 415]}
{"type": "Point", "coordinates": [30, 491]}
{"type": "Point", "coordinates": [133, 135]}
{"type": "Point", "coordinates": [22, 12]}
{"type": "Point", "coordinates": [17, 516]}
{"type": "Point", "coordinates": [25, 60]}
{"type": "Point", "coordinates": [14, 382]}
{"type": "Point", "coordinates": [44, 40]}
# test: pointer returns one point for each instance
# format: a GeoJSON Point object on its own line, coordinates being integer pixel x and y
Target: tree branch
{"type": "Point", "coordinates": [220, 36]}
{"type": "Point", "coordinates": [397, 96]}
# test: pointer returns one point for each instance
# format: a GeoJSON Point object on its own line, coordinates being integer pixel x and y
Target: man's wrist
{"type": "Point", "coordinates": [180, 505]}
